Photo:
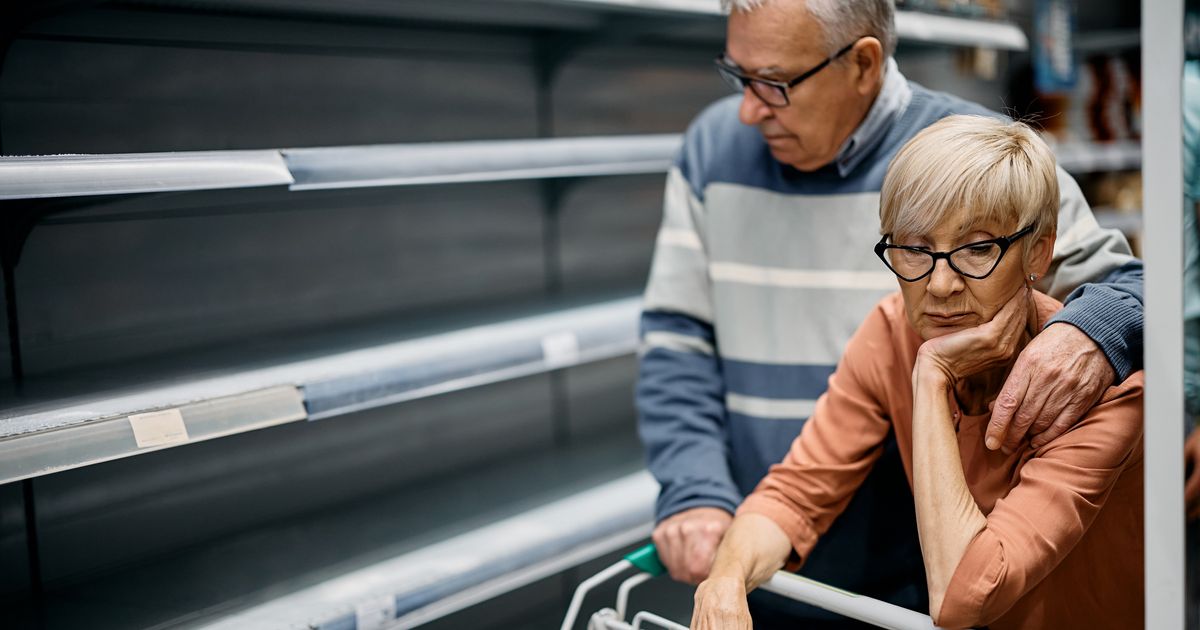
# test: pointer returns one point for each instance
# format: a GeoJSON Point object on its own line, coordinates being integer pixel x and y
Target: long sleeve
{"type": "Point", "coordinates": [1109, 309]}
{"type": "Point", "coordinates": [837, 447]}
{"type": "Point", "coordinates": [1060, 492]}
{"type": "Point", "coordinates": [1110, 312]}
{"type": "Point", "coordinates": [680, 391]}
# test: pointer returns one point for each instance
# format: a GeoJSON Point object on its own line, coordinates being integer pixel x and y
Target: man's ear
{"type": "Point", "coordinates": [1041, 255]}
{"type": "Point", "coordinates": [867, 57]}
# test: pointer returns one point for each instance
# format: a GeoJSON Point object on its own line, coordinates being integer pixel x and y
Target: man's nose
{"type": "Point", "coordinates": [944, 281]}
{"type": "Point", "coordinates": [752, 110]}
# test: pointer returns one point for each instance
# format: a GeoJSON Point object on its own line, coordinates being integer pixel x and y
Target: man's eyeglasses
{"type": "Point", "coordinates": [773, 93]}
{"type": "Point", "coordinates": [974, 260]}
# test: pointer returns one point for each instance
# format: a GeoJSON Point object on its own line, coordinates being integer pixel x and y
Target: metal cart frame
{"type": "Point", "coordinates": [789, 585]}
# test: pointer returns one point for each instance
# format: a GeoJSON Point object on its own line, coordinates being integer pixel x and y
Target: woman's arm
{"type": "Point", "coordinates": [802, 495]}
{"type": "Point", "coordinates": [947, 516]}
{"type": "Point", "coordinates": [977, 569]}
{"type": "Point", "coordinates": [752, 551]}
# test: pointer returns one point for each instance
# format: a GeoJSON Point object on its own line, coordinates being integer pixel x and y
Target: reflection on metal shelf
{"type": "Point", "coordinates": [942, 29]}
{"type": "Point", "coordinates": [1092, 157]}
{"type": "Point", "coordinates": [912, 26]}
{"type": "Point", "coordinates": [76, 175]}
{"type": "Point", "coordinates": [336, 167]}
{"type": "Point", "coordinates": [456, 573]}
{"type": "Point", "coordinates": [700, 7]}
{"type": "Point", "coordinates": [57, 435]}
{"type": "Point", "coordinates": [113, 437]}
{"type": "Point", "coordinates": [475, 356]}
{"type": "Point", "coordinates": [399, 165]}
{"type": "Point", "coordinates": [458, 162]}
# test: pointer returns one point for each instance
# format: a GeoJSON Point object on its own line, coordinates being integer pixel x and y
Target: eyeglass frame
{"type": "Point", "coordinates": [783, 87]}
{"type": "Point", "coordinates": [1005, 242]}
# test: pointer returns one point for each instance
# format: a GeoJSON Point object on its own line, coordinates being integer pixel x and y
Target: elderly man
{"type": "Point", "coordinates": [762, 271]}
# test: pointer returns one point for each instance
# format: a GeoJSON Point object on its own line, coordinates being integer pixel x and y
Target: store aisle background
{"type": "Point", "coordinates": [116, 290]}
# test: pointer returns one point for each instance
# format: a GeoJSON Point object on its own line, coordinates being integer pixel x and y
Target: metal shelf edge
{"type": "Point", "coordinates": [479, 161]}
{"type": "Point", "coordinates": [112, 438]}
{"type": "Point", "coordinates": [38, 177]}
{"type": "Point", "coordinates": [67, 437]}
{"type": "Point", "coordinates": [910, 25]}
{"type": "Point", "coordinates": [455, 361]}
{"type": "Point", "coordinates": [533, 544]}
{"type": "Point", "coordinates": [956, 31]}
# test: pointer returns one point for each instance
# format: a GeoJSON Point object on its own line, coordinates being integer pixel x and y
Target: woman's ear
{"type": "Point", "coordinates": [1040, 255]}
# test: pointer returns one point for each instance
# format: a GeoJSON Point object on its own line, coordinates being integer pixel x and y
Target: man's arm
{"type": "Point", "coordinates": [1094, 341]}
{"type": "Point", "coordinates": [681, 393]}
{"type": "Point", "coordinates": [1083, 251]}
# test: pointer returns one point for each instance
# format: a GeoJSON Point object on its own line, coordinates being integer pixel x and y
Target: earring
{"type": "Point", "coordinates": [1033, 277]}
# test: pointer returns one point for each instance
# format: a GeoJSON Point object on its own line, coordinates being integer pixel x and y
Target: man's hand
{"type": "Point", "coordinates": [720, 604]}
{"type": "Point", "coordinates": [687, 542]}
{"type": "Point", "coordinates": [1057, 378]}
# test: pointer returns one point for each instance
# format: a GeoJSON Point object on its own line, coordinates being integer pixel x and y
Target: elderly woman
{"type": "Point", "coordinates": [1047, 537]}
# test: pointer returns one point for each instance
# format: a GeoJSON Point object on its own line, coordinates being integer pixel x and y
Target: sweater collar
{"type": "Point", "coordinates": [893, 99]}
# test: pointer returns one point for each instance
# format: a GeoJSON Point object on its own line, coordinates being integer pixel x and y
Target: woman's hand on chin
{"type": "Point", "coordinates": [720, 604]}
{"type": "Point", "coordinates": [980, 348]}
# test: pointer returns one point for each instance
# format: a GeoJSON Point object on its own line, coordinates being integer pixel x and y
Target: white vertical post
{"type": "Point", "coordinates": [1162, 208]}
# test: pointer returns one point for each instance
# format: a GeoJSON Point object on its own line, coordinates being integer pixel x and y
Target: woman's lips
{"type": "Point", "coordinates": [947, 319]}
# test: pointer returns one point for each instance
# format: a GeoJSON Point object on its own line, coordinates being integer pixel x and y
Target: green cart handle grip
{"type": "Point", "coordinates": [647, 560]}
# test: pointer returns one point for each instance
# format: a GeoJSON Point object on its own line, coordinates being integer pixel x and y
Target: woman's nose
{"type": "Point", "coordinates": [752, 110]}
{"type": "Point", "coordinates": [944, 281]}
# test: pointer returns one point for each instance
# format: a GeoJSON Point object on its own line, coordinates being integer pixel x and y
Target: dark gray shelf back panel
{"type": "Point", "coordinates": [233, 266]}
{"type": "Point", "coordinates": [110, 87]}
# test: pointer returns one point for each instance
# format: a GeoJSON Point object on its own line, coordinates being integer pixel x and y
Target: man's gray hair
{"type": "Point", "coordinates": [842, 21]}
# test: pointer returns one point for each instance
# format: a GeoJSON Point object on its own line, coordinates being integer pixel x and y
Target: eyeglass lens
{"type": "Point", "coordinates": [975, 260]}
{"type": "Point", "coordinates": [770, 94]}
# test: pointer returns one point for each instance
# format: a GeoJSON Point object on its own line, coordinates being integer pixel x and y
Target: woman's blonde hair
{"type": "Point", "coordinates": [996, 170]}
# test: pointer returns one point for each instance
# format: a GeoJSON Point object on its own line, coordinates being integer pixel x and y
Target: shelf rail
{"type": "Point", "coordinates": [42, 176]}
{"type": "Point", "coordinates": [460, 162]}
{"type": "Point", "coordinates": [439, 579]}
{"type": "Point", "coordinates": [399, 165]}
{"type": "Point", "coordinates": [913, 26]}
{"type": "Point", "coordinates": [302, 169]}
{"type": "Point", "coordinates": [59, 435]}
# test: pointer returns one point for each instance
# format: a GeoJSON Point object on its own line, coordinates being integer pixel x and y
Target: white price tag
{"type": "Point", "coordinates": [375, 614]}
{"type": "Point", "coordinates": [560, 349]}
{"type": "Point", "coordinates": [158, 428]}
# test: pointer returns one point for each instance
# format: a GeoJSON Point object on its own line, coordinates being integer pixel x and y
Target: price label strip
{"type": "Point", "coordinates": [158, 428]}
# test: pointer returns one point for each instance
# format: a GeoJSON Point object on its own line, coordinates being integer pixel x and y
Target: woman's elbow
{"type": "Point", "coordinates": [966, 602]}
{"type": "Point", "coordinates": [953, 614]}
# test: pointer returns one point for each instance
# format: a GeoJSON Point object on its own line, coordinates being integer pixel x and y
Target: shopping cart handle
{"type": "Point", "coordinates": [647, 560]}
{"type": "Point", "coordinates": [809, 591]}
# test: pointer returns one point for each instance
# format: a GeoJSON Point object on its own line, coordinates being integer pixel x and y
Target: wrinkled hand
{"type": "Point", "coordinates": [1191, 488]}
{"type": "Point", "coordinates": [1057, 378]}
{"type": "Point", "coordinates": [980, 348]}
{"type": "Point", "coordinates": [687, 542]}
{"type": "Point", "coordinates": [720, 604]}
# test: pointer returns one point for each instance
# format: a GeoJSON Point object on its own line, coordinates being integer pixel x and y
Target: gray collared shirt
{"type": "Point", "coordinates": [893, 99]}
